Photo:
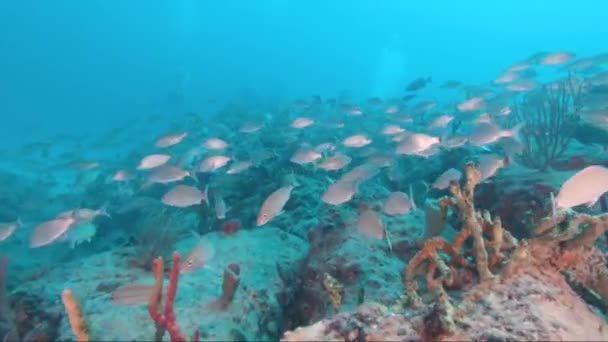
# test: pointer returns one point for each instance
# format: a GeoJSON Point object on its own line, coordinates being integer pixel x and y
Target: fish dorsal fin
{"type": "Point", "coordinates": [592, 202]}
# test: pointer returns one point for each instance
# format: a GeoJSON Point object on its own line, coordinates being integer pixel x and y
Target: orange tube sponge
{"type": "Point", "coordinates": [77, 322]}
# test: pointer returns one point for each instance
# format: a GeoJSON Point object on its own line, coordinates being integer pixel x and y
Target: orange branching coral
{"type": "Point", "coordinates": [464, 199]}
{"type": "Point", "coordinates": [77, 322]}
{"type": "Point", "coordinates": [596, 226]}
{"type": "Point", "coordinates": [430, 254]}
{"type": "Point", "coordinates": [475, 224]}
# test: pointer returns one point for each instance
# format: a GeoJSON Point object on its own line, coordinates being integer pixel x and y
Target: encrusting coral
{"type": "Point", "coordinates": [573, 250]}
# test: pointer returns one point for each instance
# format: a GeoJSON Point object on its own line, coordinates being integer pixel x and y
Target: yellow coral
{"type": "Point", "coordinates": [334, 289]}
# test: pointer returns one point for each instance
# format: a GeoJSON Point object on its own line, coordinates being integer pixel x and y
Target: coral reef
{"type": "Point", "coordinates": [498, 288]}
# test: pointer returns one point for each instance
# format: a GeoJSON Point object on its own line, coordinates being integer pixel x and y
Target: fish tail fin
{"type": "Point", "coordinates": [412, 198]}
{"type": "Point", "coordinates": [145, 185]}
{"type": "Point", "coordinates": [290, 179]}
{"type": "Point", "coordinates": [553, 209]}
{"type": "Point", "coordinates": [103, 211]}
{"type": "Point", "coordinates": [196, 234]}
{"type": "Point", "coordinates": [18, 221]}
{"type": "Point", "coordinates": [426, 187]}
{"type": "Point", "coordinates": [206, 195]}
{"type": "Point", "coordinates": [516, 132]}
{"type": "Point", "coordinates": [192, 174]}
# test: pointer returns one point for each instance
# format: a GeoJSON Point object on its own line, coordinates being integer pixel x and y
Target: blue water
{"type": "Point", "coordinates": [77, 65]}
{"type": "Point", "coordinates": [100, 81]}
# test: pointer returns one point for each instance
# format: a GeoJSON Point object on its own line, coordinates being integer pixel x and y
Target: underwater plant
{"type": "Point", "coordinates": [154, 234]}
{"type": "Point", "coordinates": [550, 116]}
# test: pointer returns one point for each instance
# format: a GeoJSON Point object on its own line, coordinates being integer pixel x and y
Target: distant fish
{"type": "Point", "coordinates": [557, 58]}
{"type": "Point", "coordinates": [302, 122]}
{"type": "Point", "coordinates": [49, 231]}
{"type": "Point", "coordinates": [584, 187]}
{"type": "Point", "coordinates": [237, 167]}
{"type": "Point", "coordinates": [370, 225]}
{"type": "Point", "coordinates": [153, 161]}
{"type": "Point", "coordinates": [356, 141]}
{"type": "Point", "coordinates": [215, 144]}
{"type": "Point", "coordinates": [443, 181]}
{"type": "Point", "coordinates": [489, 164]}
{"type": "Point", "coordinates": [86, 215]}
{"type": "Point", "coordinates": [273, 205]}
{"type": "Point", "coordinates": [250, 127]}
{"type": "Point", "coordinates": [511, 147]}
{"type": "Point", "coordinates": [83, 165]}
{"type": "Point", "coordinates": [198, 257]}
{"type": "Point", "coordinates": [598, 118]}
{"type": "Point", "coordinates": [182, 196]}
{"type": "Point", "coordinates": [450, 85]}
{"type": "Point", "coordinates": [483, 118]}
{"type": "Point", "coordinates": [361, 173]}
{"type": "Point", "coordinates": [7, 229]}
{"type": "Point", "coordinates": [418, 84]}
{"type": "Point", "coordinates": [392, 130]}
{"type": "Point", "coordinates": [416, 143]}
{"type": "Point", "coordinates": [132, 295]}
{"type": "Point", "coordinates": [168, 174]}
{"type": "Point", "coordinates": [354, 110]}
{"type": "Point", "coordinates": [523, 86]}
{"type": "Point", "coordinates": [429, 152]}
{"type": "Point", "coordinates": [340, 192]}
{"type": "Point", "coordinates": [408, 97]}
{"type": "Point", "coordinates": [170, 139]}
{"type": "Point", "coordinates": [213, 163]}
{"type": "Point", "coordinates": [507, 77]}
{"type": "Point", "coordinates": [397, 203]}
{"type": "Point", "coordinates": [441, 121]}
{"type": "Point", "coordinates": [305, 156]}
{"type": "Point", "coordinates": [380, 160]}
{"type": "Point", "coordinates": [334, 163]}
{"type": "Point", "coordinates": [487, 133]}
{"type": "Point", "coordinates": [123, 176]}
{"type": "Point", "coordinates": [393, 109]}
{"type": "Point", "coordinates": [454, 142]}
{"type": "Point", "coordinates": [472, 105]}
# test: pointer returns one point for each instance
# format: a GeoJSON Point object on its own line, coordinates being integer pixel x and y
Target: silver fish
{"type": "Point", "coordinates": [340, 192]}
{"type": "Point", "coordinates": [584, 187]}
{"type": "Point", "coordinates": [273, 205]}
{"type": "Point", "coordinates": [370, 225]}
{"type": "Point", "coordinates": [182, 196]}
